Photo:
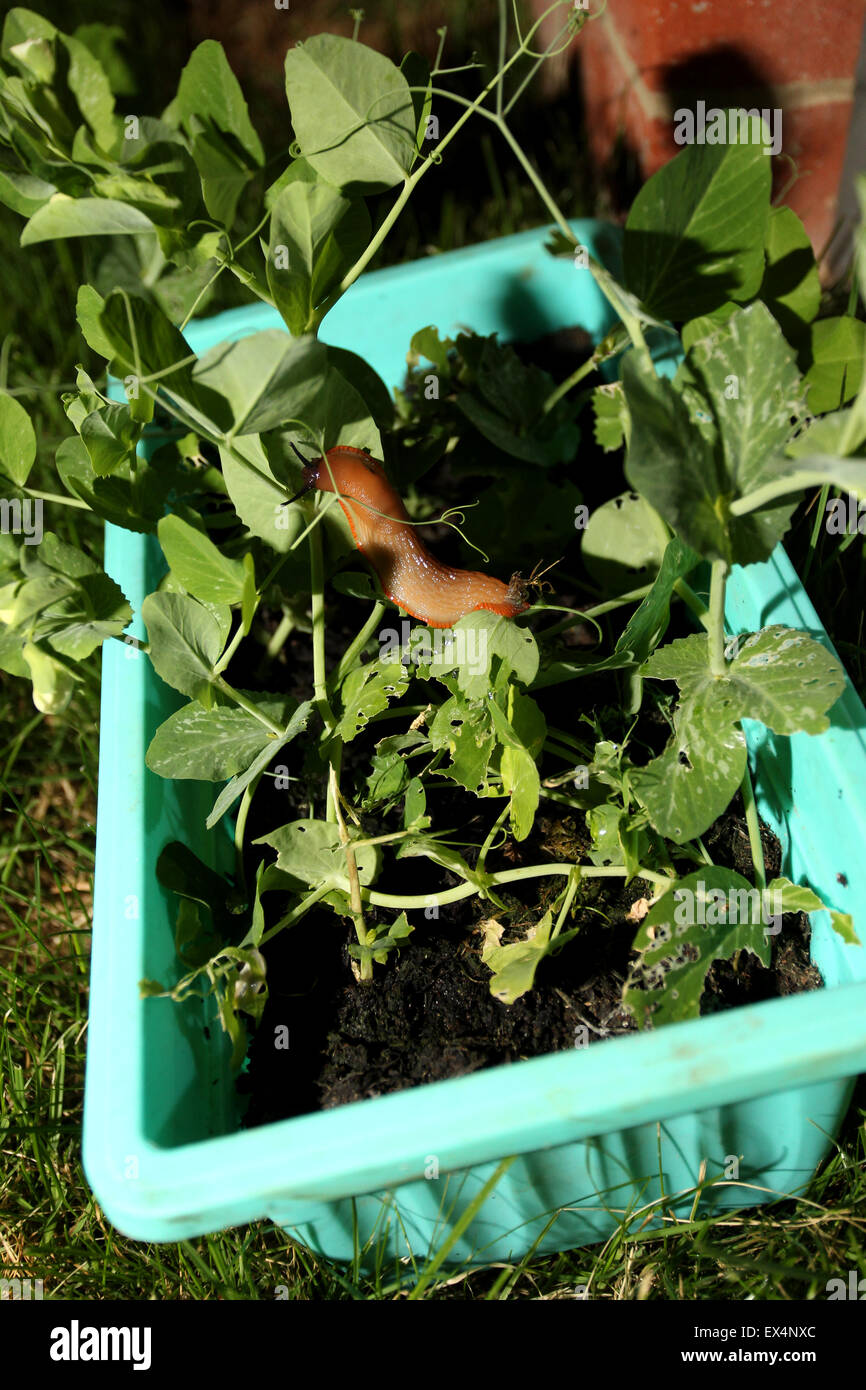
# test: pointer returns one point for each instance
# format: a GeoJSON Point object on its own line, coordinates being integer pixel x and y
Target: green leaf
{"type": "Point", "coordinates": [144, 343]}
{"type": "Point", "coordinates": [838, 352]}
{"type": "Point", "coordinates": [209, 89]}
{"type": "Point", "coordinates": [463, 728]}
{"type": "Point", "coordinates": [17, 440]}
{"type": "Point", "coordinates": [503, 399]}
{"type": "Point", "coordinates": [352, 112]}
{"type": "Point", "coordinates": [485, 646]}
{"type": "Point", "coordinates": [93, 612]}
{"type": "Point", "coordinates": [707, 325]}
{"type": "Point", "coordinates": [23, 28]}
{"type": "Point", "coordinates": [92, 91]}
{"type": "Point", "coordinates": [691, 783]}
{"type": "Point", "coordinates": [649, 622]}
{"type": "Point", "coordinates": [779, 675]}
{"type": "Point", "coordinates": [200, 566]}
{"type": "Point", "coordinates": [88, 307]}
{"type": "Point", "coordinates": [744, 383]}
{"type": "Point", "coordinates": [811, 470]}
{"type": "Point", "coordinates": [315, 235]}
{"type": "Point", "coordinates": [223, 176]}
{"type": "Point", "coordinates": [514, 965]}
{"type": "Point", "coordinates": [279, 377]}
{"type": "Point", "coordinates": [838, 433]}
{"type": "Point", "coordinates": [24, 193]}
{"type": "Point", "coordinates": [611, 417]}
{"type": "Point", "coordinates": [105, 42]}
{"type": "Point", "coordinates": [791, 288]}
{"type": "Point", "coordinates": [181, 871]}
{"type": "Point", "coordinates": [671, 464]}
{"type": "Point", "coordinates": [521, 733]}
{"type": "Point", "coordinates": [239, 783]}
{"type": "Point", "coordinates": [212, 745]}
{"type": "Point", "coordinates": [186, 641]}
{"type": "Point", "coordinates": [696, 230]}
{"type": "Point", "coordinates": [747, 374]}
{"type": "Point", "coordinates": [309, 852]}
{"type": "Point", "coordinates": [269, 379]}
{"type": "Point", "coordinates": [382, 940]}
{"type": "Point", "coordinates": [367, 691]}
{"type": "Point", "coordinates": [796, 897]}
{"type": "Point", "coordinates": [53, 683]}
{"type": "Point", "coordinates": [110, 436]}
{"type": "Point", "coordinates": [63, 216]}
{"type": "Point", "coordinates": [624, 543]}
{"type": "Point", "coordinates": [135, 503]}
{"type": "Point", "coordinates": [416, 71]}
{"type": "Point", "coordinates": [708, 916]}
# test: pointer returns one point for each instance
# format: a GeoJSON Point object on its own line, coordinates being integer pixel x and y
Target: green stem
{"type": "Point", "coordinates": [716, 617]}
{"type": "Point", "coordinates": [230, 650]}
{"type": "Point", "coordinates": [56, 497]}
{"type": "Point", "coordinates": [466, 890]}
{"type": "Point", "coordinates": [244, 703]}
{"type": "Point", "coordinates": [284, 630]}
{"type": "Point", "coordinates": [357, 645]}
{"type": "Point", "coordinates": [565, 386]}
{"type": "Point", "coordinates": [691, 600]}
{"type": "Point", "coordinates": [754, 828]}
{"type": "Point", "coordinates": [317, 591]}
{"type": "Point", "coordinates": [241, 825]}
{"type": "Point", "coordinates": [816, 531]}
{"type": "Point", "coordinates": [536, 180]}
{"type": "Point", "coordinates": [300, 910]}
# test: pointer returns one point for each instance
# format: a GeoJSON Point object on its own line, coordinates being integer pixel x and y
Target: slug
{"type": "Point", "coordinates": [409, 575]}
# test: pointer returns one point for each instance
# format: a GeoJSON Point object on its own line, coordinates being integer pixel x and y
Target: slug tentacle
{"type": "Point", "coordinates": [409, 574]}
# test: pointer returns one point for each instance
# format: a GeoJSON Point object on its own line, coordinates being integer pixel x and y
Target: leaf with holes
{"type": "Point", "coordinates": [367, 691]}
{"type": "Point", "coordinates": [462, 728]}
{"type": "Point", "coordinates": [310, 854]}
{"type": "Point", "coordinates": [708, 916]}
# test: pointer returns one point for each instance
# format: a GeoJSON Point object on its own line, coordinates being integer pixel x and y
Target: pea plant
{"type": "Point", "coordinates": [213, 456]}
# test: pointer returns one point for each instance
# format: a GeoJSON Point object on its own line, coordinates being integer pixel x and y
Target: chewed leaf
{"type": "Point", "coordinates": [367, 691]}
{"type": "Point", "coordinates": [309, 852]}
{"type": "Point", "coordinates": [691, 783]}
{"type": "Point", "coordinates": [514, 965]}
{"type": "Point", "coordinates": [706, 917]}
{"type": "Point", "coordinates": [796, 897]}
{"type": "Point", "coordinates": [779, 675]}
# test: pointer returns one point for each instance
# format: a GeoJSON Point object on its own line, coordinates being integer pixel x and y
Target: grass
{"type": "Point", "coordinates": [51, 1227]}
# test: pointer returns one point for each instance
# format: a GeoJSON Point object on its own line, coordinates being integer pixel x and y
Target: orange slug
{"type": "Point", "coordinates": [409, 575]}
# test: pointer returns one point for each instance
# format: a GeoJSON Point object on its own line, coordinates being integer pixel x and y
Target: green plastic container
{"type": "Point", "coordinates": [597, 1131]}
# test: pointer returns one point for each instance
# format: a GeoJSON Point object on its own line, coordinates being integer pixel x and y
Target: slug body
{"type": "Point", "coordinates": [409, 575]}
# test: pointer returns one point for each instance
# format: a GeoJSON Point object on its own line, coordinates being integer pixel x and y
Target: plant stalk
{"type": "Point", "coordinates": [716, 617]}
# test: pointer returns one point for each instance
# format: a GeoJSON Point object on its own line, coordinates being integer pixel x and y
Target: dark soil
{"type": "Point", "coordinates": [428, 1014]}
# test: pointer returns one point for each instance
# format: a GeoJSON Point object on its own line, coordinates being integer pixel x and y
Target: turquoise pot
{"type": "Point", "coordinates": [752, 1097]}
